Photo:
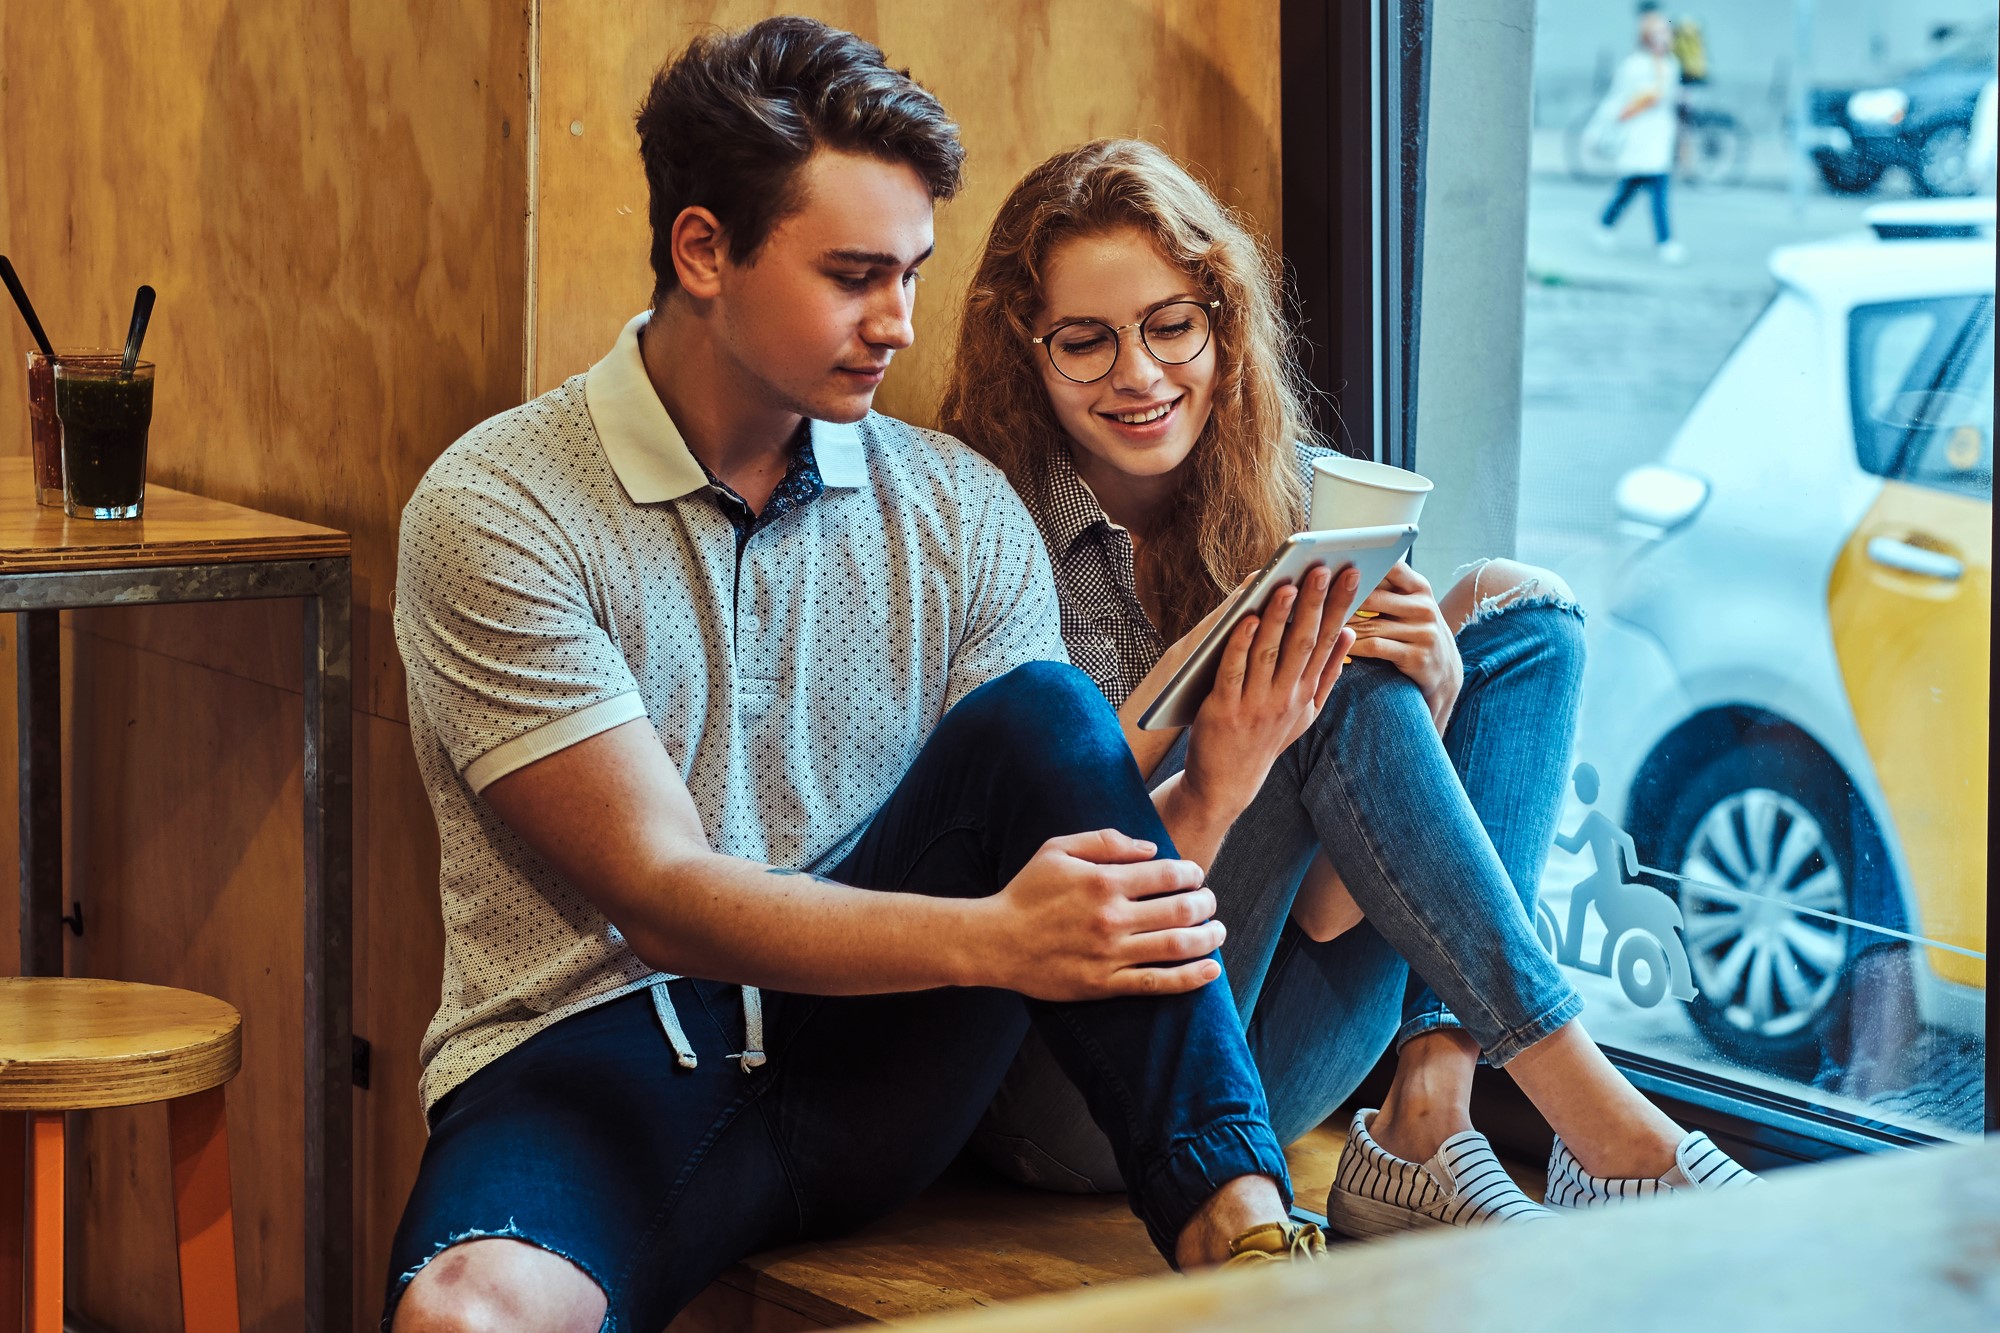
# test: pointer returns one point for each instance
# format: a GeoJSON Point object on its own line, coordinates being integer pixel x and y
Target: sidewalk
{"type": "Point", "coordinates": [1729, 234]}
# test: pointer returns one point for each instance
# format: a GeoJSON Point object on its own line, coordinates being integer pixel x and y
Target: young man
{"type": "Point", "coordinates": [695, 624]}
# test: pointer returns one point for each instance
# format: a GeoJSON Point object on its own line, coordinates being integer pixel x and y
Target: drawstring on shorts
{"type": "Point", "coordinates": [750, 1057]}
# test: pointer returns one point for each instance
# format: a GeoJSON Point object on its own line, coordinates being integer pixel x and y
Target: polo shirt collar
{"type": "Point", "coordinates": [645, 448]}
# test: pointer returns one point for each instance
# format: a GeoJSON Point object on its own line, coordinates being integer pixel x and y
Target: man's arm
{"type": "Point", "coordinates": [611, 815]}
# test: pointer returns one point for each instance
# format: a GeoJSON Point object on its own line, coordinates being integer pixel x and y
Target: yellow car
{"type": "Point", "coordinates": [1788, 697]}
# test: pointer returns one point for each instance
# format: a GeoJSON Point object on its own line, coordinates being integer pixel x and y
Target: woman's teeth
{"type": "Point", "coordinates": [1141, 418]}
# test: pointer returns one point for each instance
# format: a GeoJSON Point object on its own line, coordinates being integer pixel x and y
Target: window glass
{"type": "Point", "coordinates": [1921, 385]}
{"type": "Point", "coordinates": [1757, 440]}
{"type": "Point", "coordinates": [1956, 452]}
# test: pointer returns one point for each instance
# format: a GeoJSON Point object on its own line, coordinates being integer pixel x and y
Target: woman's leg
{"type": "Point", "coordinates": [1372, 783]}
{"type": "Point", "coordinates": [1627, 187]}
{"type": "Point", "coordinates": [1662, 232]}
{"type": "Point", "coordinates": [1520, 636]}
{"type": "Point", "coordinates": [1327, 1012]}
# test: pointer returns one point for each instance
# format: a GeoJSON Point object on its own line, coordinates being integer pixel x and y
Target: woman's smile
{"type": "Point", "coordinates": [1151, 422]}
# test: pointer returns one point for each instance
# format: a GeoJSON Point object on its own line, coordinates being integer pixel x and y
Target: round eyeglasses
{"type": "Point", "coordinates": [1085, 350]}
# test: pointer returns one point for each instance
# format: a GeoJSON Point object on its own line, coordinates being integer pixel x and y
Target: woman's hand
{"type": "Point", "coordinates": [1272, 682]}
{"type": "Point", "coordinates": [1409, 632]}
{"type": "Point", "coordinates": [1148, 747]}
{"type": "Point", "coordinates": [1645, 101]}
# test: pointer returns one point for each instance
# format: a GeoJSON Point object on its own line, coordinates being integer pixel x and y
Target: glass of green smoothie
{"type": "Point", "coordinates": [105, 413]}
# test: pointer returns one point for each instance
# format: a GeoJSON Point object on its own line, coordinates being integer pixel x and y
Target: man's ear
{"type": "Point", "coordinates": [699, 248]}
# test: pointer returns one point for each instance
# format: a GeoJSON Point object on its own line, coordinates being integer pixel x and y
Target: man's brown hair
{"type": "Point", "coordinates": [729, 122]}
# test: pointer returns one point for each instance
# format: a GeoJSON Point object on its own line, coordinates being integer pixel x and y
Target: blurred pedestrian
{"type": "Point", "coordinates": [1636, 125]}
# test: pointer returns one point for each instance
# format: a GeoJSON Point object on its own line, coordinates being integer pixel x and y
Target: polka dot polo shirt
{"type": "Point", "coordinates": [568, 566]}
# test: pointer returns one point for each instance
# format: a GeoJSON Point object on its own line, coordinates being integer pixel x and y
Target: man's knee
{"type": "Point", "coordinates": [484, 1286]}
{"type": "Point", "coordinates": [1040, 700]}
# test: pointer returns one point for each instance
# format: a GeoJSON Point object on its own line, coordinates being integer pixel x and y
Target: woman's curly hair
{"type": "Point", "coordinates": [1240, 495]}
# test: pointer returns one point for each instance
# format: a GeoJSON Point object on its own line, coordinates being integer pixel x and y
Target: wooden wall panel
{"type": "Point", "coordinates": [331, 199]}
{"type": "Point", "coordinates": [10, 827]}
{"type": "Point", "coordinates": [328, 198]}
{"type": "Point", "coordinates": [1024, 78]}
{"type": "Point", "coordinates": [191, 800]}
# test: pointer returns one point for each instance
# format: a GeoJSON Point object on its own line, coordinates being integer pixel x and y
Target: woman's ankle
{"type": "Point", "coordinates": [1611, 1128]}
{"type": "Point", "coordinates": [1430, 1098]}
{"type": "Point", "coordinates": [1415, 1134]}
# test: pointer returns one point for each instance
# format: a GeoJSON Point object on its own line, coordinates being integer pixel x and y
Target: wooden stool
{"type": "Point", "coordinates": [68, 1044]}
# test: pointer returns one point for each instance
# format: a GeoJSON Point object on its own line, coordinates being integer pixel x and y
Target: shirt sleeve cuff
{"type": "Point", "coordinates": [557, 734]}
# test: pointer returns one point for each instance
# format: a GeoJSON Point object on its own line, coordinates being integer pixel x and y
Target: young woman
{"type": "Point", "coordinates": [1124, 358]}
{"type": "Point", "coordinates": [1638, 122]}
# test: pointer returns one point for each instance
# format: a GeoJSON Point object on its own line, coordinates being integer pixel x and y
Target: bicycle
{"type": "Point", "coordinates": [1713, 148]}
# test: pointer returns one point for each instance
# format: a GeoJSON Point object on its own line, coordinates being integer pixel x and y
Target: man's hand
{"type": "Point", "coordinates": [1092, 915]}
{"type": "Point", "coordinates": [1409, 633]}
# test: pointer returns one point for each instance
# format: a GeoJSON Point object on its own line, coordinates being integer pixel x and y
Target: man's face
{"type": "Point", "coordinates": [818, 311]}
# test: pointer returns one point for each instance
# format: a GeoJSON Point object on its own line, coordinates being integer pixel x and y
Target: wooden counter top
{"type": "Point", "coordinates": [177, 529]}
{"type": "Point", "coordinates": [1902, 1240]}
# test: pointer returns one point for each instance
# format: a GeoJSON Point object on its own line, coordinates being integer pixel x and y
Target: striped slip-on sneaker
{"type": "Point", "coordinates": [1378, 1194]}
{"type": "Point", "coordinates": [1698, 1166]}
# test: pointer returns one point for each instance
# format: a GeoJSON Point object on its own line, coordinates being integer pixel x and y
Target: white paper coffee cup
{"type": "Point", "coordinates": [1356, 493]}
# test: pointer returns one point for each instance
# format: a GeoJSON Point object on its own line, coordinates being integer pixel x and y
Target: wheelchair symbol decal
{"type": "Point", "coordinates": [1642, 926]}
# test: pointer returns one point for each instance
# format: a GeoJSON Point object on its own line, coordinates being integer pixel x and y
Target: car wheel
{"type": "Point", "coordinates": [1942, 167]}
{"type": "Point", "coordinates": [1849, 173]}
{"type": "Point", "coordinates": [1713, 149]}
{"type": "Point", "coordinates": [1770, 832]}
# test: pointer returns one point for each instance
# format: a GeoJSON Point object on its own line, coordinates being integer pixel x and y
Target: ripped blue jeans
{"type": "Point", "coordinates": [592, 1142]}
{"type": "Point", "coordinates": [1441, 842]}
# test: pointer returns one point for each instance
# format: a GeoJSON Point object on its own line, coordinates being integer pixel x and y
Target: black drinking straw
{"type": "Point", "coordinates": [20, 295]}
{"type": "Point", "coordinates": [142, 311]}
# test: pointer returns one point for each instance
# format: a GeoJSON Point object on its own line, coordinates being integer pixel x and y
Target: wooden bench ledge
{"type": "Point", "coordinates": [970, 1240]}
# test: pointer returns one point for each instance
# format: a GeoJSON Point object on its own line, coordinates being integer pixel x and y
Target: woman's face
{"type": "Point", "coordinates": [1142, 419]}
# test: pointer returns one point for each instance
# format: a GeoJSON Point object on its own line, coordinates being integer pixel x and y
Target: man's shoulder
{"type": "Point", "coordinates": [921, 449]}
{"type": "Point", "coordinates": [538, 452]}
{"type": "Point", "coordinates": [922, 463]}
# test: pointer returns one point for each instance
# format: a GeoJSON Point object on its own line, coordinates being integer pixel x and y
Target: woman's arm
{"type": "Point", "coordinates": [1274, 677]}
{"type": "Point", "coordinates": [1408, 631]}
{"type": "Point", "coordinates": [1149, 747]}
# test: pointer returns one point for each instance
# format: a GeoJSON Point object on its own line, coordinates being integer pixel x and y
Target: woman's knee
{"type": "Point", "coordinates": [1492, 586]}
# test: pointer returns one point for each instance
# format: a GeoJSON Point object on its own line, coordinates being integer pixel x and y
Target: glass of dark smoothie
{"type": "Point", "coordinates": [44, 431]}
{"type": "Point", "coordinates": [105, 414]}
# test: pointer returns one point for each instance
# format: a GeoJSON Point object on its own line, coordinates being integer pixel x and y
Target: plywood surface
{"type": "Point", "coordinates": [1900, 1241]}
{"type": "Point", "coordinates": [175, 529]}
{"type": "Point", "coordinates": [68, 1043]}
{"type": "Point", "coordinates": [1023, 79]}
{"type": "Point", "coordinates": [971, 1240]}
{"type": "Point", "coordinates": [330, 201]}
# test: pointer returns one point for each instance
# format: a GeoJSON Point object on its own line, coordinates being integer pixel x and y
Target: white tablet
{"type": "Point", "coordinates": [1371, 551]}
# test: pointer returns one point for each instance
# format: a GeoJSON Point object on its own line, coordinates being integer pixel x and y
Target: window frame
{"type": "Point", "coordinates": [1354, 108]}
